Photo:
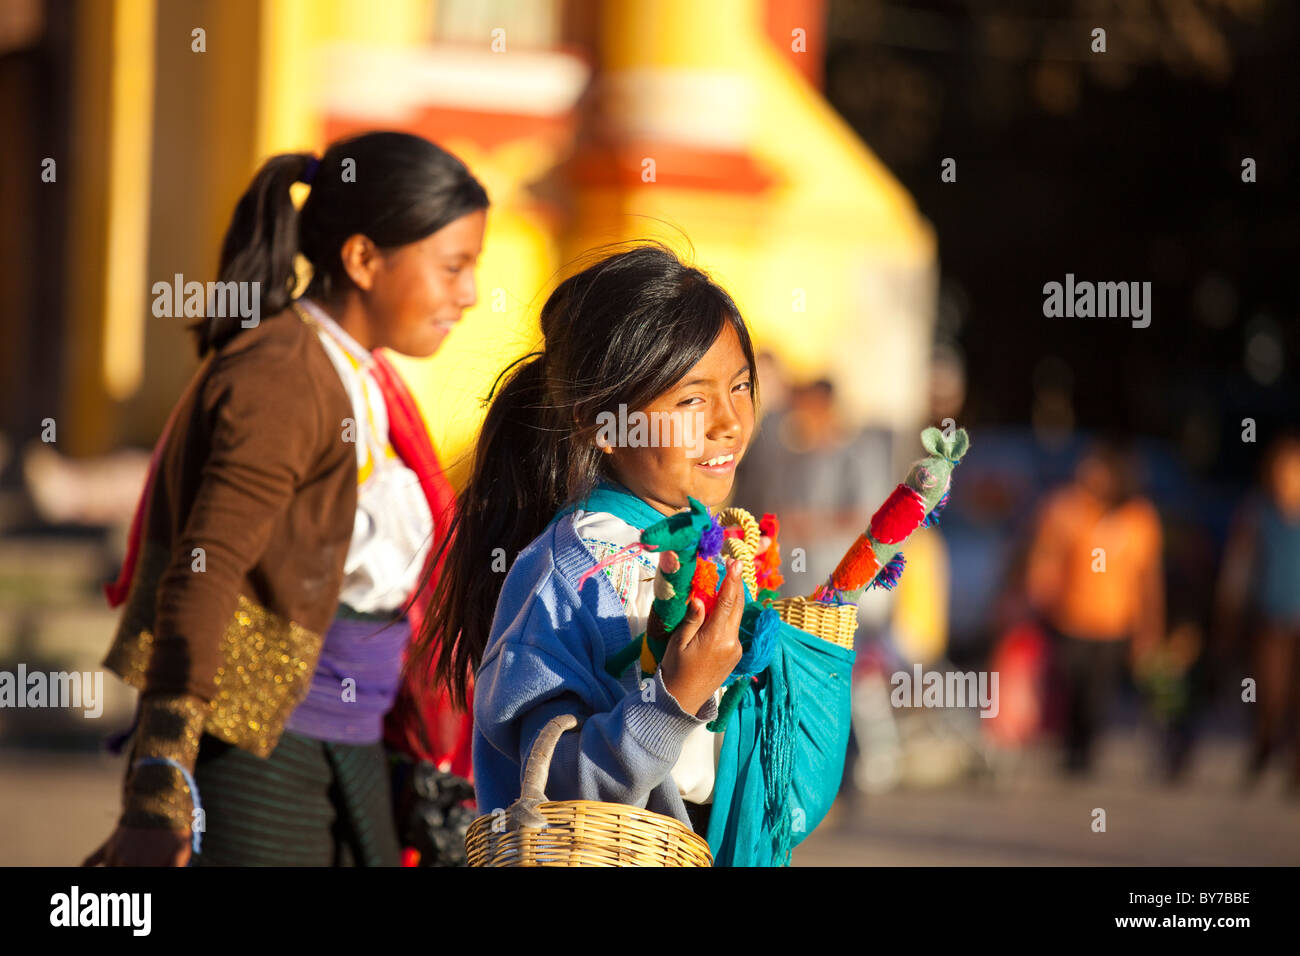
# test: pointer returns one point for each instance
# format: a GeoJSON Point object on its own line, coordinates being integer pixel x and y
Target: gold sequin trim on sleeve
{"type": "Point", "coordinates": [157, 794]}
{"type": "Point", "coordinates": [265, 672]}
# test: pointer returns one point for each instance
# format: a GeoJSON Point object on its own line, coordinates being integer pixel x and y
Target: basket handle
{"type": "Point", "coordinates": [539, 760]}
{"type": "Point", "coordinates": [523, 812]}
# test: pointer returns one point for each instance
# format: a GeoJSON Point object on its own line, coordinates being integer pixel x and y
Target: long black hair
{"type": "Point", "coordinates": [394, 188]}
{"type": "Point", "coordinates": [622, 331]}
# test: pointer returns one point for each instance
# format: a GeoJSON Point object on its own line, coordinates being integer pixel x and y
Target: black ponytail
{"type": "Point", "coordinates": [260, 245]}
{"type": "Point", "coordinates": [395, 188]}
{"type": "Point", "coordinates": [620, 332]}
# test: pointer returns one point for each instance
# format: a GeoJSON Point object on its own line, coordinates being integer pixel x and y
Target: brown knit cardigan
{"type": "Point", "coordinates": [246, 528]}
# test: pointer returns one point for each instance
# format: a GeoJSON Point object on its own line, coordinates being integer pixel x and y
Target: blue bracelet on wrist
{"type": "Point", "coordinates": [189, 781]}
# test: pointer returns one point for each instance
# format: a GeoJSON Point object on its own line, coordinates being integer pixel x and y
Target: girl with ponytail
{"type": "Point", "coordinates": [291, 508]}
{"type": "Point", "coordinates": [637, 333]}
{"type": "Point", "coordinates": [543, 586]}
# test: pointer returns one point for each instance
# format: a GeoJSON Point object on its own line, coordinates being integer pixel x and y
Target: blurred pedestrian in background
{"type": "Point", "coordinates": [1094, 575]}
{"type": "Point", "coordinates": [1259, 596]}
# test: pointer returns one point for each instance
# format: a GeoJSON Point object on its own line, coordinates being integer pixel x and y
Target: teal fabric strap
{"type": "Point", "coordinates": [769, 794]}
{"type": "Point", "coordinates": [615, 498]}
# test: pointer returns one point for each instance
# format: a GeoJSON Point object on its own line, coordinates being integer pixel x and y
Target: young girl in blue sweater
{"type": "Point", "coordinates": [637, 335]}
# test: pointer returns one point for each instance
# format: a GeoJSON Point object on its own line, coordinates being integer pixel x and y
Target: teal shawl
{"type": "Point", "coordinates": [782, 754]}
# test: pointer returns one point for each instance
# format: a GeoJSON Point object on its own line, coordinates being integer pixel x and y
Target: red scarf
{"type": "Point", "coordinates": [423, 722]}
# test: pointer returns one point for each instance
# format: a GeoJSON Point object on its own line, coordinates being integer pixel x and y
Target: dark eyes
{"type": "Point", "coordinates": [747, 386]}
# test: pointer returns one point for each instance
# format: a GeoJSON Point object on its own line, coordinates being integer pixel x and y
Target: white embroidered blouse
{"type": "Point", "coordinates": [394, 527]}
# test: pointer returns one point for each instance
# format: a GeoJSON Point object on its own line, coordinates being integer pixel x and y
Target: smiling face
{"type": "Point", "coordinates": [421, 289]}
{"type": "Point", "coordinates": [718, 394]}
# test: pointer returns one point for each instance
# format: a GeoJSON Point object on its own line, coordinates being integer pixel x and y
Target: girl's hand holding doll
{"type": "Point", "coordinates": [704, 650]}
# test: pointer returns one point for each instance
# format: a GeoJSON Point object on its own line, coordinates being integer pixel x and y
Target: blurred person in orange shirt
{"type": "Point", "coordinates": [1259, 593]}
{"type": "Point", "coordinates": [1094, 574]}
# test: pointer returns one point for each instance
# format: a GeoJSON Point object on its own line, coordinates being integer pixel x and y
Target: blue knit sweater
{"type": "Point", "coordinates": [545, 656]}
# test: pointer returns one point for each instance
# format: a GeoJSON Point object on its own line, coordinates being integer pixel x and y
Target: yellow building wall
{"type": "Point", "coordinates": [836, 231]}
{"type": "Point", "coordinates": [834, 268]}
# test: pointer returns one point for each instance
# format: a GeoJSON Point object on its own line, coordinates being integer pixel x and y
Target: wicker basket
{"type": "Point", "coordinates": [537, 832]}
{"type": "Point", "coordinates": [836, 623]}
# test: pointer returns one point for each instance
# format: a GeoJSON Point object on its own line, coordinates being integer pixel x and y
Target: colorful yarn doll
{"type": "Point", "coordinates": [875, 558]}
{"type": "Point", "coordinates": [680, 534]}
{"type": "Point", "coordinates": [694, 540]}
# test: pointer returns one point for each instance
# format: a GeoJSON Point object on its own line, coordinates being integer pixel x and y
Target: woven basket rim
{"type": "Point", "coordinates": [621, 810]}
{"type": "Point", "coordinates": [679, 840]}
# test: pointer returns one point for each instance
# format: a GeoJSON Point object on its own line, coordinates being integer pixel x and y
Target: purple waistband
{"type": "Point", "coordinates": [355, 682]}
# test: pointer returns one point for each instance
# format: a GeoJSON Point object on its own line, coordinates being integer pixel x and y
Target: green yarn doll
{"type": "Point", "coordinates": [679, 533]}
{"type": "Point", "coordinates": [695, 540]}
